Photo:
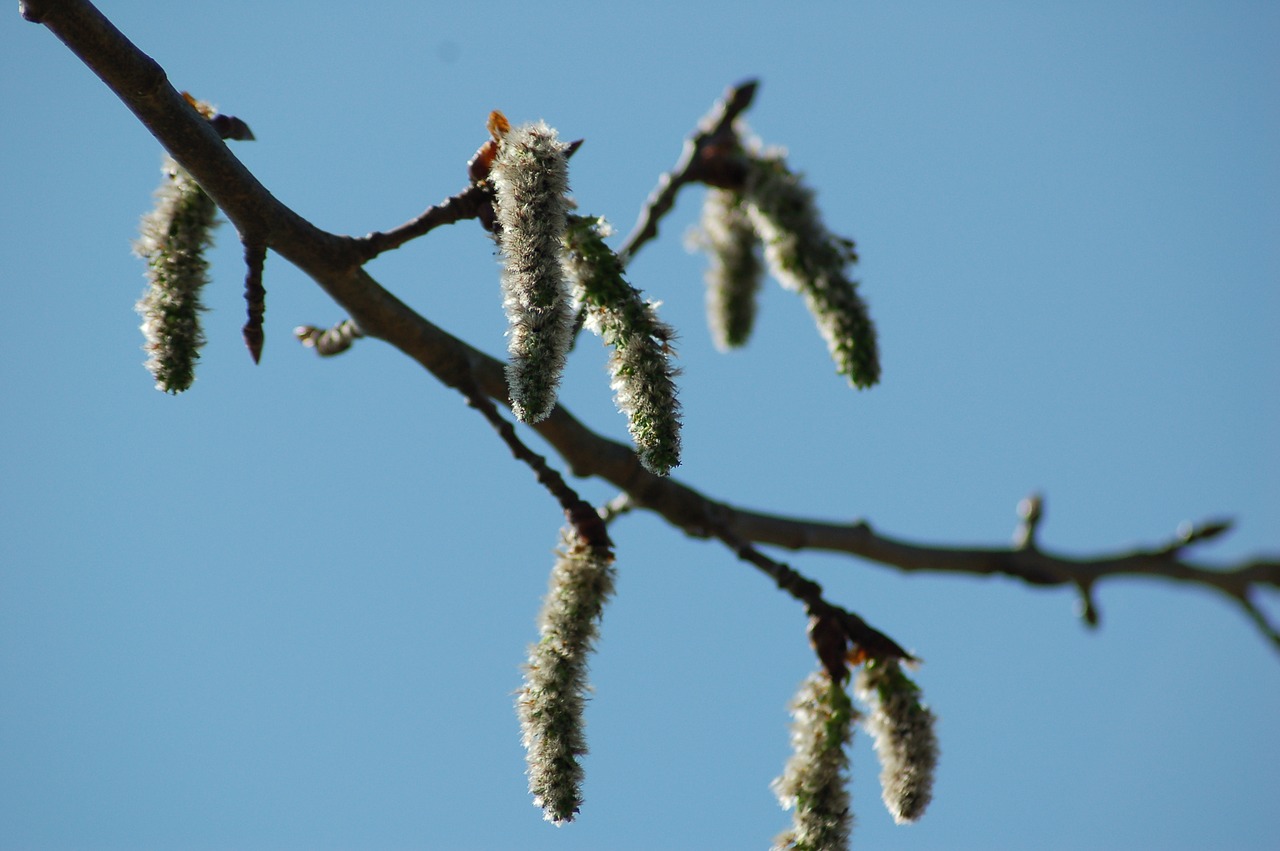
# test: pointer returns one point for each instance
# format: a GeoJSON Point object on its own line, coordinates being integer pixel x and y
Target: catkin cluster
{"type": "Point", "coordinates": [814, 783]}
{"type": "Point", "coordinates": [554, 261]}
{"type": "Point", "coordinates": [775, 208]}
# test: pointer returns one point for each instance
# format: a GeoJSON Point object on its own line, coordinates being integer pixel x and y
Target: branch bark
{"type": "Point", "coordinates": [336, 262]}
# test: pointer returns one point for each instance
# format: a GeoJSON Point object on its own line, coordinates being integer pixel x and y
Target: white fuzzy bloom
{"type": "Point", "coordinates": [642, 375]}
{"type": "Point", "coordinates": [550, 703]}
{"type": "Point", "coordinates": [903, 729]}
{"type": "Point", "coordinates": [530, 178]}
{"type": "Point", "coordinates": [815, 782]}
{"type": "Point", "coordinates": [804, 256]}
{"type": "Point", "coordinates": [734, 274]}
{"type": "Point", "coordinates": [174, 236]}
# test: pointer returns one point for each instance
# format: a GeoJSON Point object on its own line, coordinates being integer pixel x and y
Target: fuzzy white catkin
{"type": "Point", "coordinates": [814, 784]}
{"type": "Point", "coordinates": [173, 239]}
{"type": "Point", "coordinates": [531, 178]}
{"type": "Point", "coordinates": [734, 274]}
{"type": "Point", "coordinates": [550, 704]}
{"type": "Point", "coordinates": [903, 730]}
{"type": "Point", "coordinates": [641, 371]}
{"type": "Point", "coordinates": [803, 255]}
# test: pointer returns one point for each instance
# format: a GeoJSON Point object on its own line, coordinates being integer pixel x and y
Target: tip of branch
{"type": "Point", "coordinates": [253, 339]}
{"type": "Point", "coordinates": [31, 12]}
{"type": "Point", "coordinates": [1030, 513]}
{"type": "Point", "coordinates": [230, 127]}
{"type": "Point", "coordinates": [1088, 606]}
{"type": "Point", "coordinates": [741, 94]}
{"type": "Point", "coordinates": [1190, 533]}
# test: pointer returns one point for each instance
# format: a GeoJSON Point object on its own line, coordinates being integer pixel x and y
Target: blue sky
{"type": "Point", "coordinates": [287, 609]}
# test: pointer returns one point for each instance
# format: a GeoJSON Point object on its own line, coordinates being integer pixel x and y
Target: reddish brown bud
{"type": "Point", "coordinates": [827, 638]}
{"type": "Point", "coordinates": [478, 166]}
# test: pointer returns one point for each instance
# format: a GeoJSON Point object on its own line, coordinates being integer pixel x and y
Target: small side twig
{"type": "Point", "coordinates": [1193, 533]}
{"type": "Point", "coordinates": [1088, 605]}
{"type": "Point", "coordinates": [584, 518]}
{"type": "Point", "coordinates": [838, 636]}
{"type": "Point", "coordinates": [474, 202]}
{"type": "Point", "coordinates": [617, 507]}
{"type": "Point", "coordinates": [714, 133]}
{"type": "Point", "coordinates": [329, 341]}
{"type": "Point", "coordinates": [1030, 513]}
{"type": "Point", "coordinates": [1259, 619]}
{"type": "Point", "coordinates": [467, 204]}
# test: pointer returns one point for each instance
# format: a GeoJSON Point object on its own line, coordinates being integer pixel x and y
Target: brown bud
{"type": "Point", "coordinates": [827, 638]}
{"type": "Point", "coordinates": [479, 164]}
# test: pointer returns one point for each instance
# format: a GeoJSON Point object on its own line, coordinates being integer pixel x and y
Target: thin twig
{"type": "Point", "coordinates": [467, 204]}
{"type": "Point", "coordinates": [715, 129]}
{"type": "Point", "coordinates": [617, 507]}
{"type": "Point", "coordinates": [588, 523]}
{"type": "Point", "coordinates": [1254, 614]}
{"type": "Point", "coordinates": [832, 628]}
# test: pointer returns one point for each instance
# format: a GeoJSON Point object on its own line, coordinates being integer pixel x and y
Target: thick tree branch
{"type": "Point", "coordinates": [335, 263]}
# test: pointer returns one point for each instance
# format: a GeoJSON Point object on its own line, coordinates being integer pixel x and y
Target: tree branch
{"type": "Point", "coordinates": [832, 629]}
{"type": "Point", "coordinates": [474, 202]}
{"type": "Point", "coordinates": [467, 204]}
{"type": "Point", "coordinates": [586, 521]}
{"type": "Point", "coordinates": [335, 263]}
{"type": "Point", "coordinates": [700, 161]}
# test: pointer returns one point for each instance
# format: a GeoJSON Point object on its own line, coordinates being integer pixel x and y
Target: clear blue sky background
{"type": "Point", "coordinates": [288, 608]}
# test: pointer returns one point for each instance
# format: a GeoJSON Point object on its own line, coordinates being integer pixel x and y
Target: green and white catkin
{"type": "Point", "coordinates": [735, 272]}
{"type": "Point", "coordinates": [530, 177]}
{"type": "Point", "coordinates": [815, 783]}
{"type": "Point", "coordinates": [551, 701]}
{"type": "Point", "coordinates": [642, 375]}
{"type": "Point", "coordinates": [903, 729]}
{"type": "Point", "coordinates": [803, 255]}
{"type": "Point", "coordinates": [174, 236]}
